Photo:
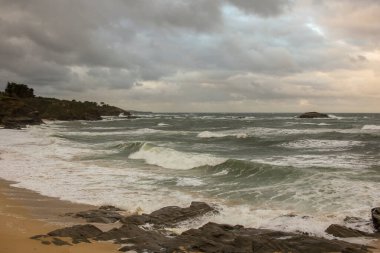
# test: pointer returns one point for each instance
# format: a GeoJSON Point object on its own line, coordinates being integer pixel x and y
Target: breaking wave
{"type": "Point", "coordinates": [173, 159]}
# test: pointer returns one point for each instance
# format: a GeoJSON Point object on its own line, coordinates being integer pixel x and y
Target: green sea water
{"type": "Point", "coordinates": [256, 168]}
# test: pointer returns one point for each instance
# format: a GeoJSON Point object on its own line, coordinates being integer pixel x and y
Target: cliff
{"type": "Point", "coordinates": [19, 107]}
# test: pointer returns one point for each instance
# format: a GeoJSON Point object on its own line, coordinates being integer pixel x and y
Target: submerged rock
{"type": "Point", "coordinates": [312, 115]}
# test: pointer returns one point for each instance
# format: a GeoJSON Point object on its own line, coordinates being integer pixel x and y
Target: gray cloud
{"type": "Point", "coordinates": [203, 51]}
{"type": "Point", "coordinates": [265, 8]}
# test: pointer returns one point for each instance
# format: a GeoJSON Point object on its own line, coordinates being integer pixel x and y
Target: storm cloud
{"type": "Point", "coordinates": [199, 55]}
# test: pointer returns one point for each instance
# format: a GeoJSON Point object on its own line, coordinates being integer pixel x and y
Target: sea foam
{"type": "Point", "coordinates": [371, 127]}
{"type": "Point", "coordinates": [324, 145]}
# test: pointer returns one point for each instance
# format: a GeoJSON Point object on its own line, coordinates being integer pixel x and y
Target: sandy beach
{"type": "Point", "coordinates": [25, 213]}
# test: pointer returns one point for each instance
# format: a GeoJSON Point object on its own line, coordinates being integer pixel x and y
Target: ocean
{"type": "Point", "coordinates": [259, 170]}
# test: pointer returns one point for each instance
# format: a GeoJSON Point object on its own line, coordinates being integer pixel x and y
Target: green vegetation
{"type": "Point", "coordinates": [18, 90]}
{"type": "Point", "coordinates": [19, 106]}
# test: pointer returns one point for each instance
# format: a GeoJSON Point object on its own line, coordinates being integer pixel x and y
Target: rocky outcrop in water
{"type": "Point", "coordinates": [152, 233]}
{"type": "Point", "coordinates": [312, 115]}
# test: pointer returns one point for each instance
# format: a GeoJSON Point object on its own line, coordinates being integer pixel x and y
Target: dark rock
{"type": "Point", "coordinates": [78, 233]}
{"type": "Point", "coordinates": [214, 237]}
{"type": "Point", "coordinates": [312, 115]}
{"type": "Point", "coordinates": [19, 122]}
{"type": "Point", "coordinates": [375, 213]}
{"type": "Point", "coordinates": [137, 237]}
{"type": "Point", "coordinates": [45, 239]}
{"type": "Point", "coordinates": [59, 242]}
{"type": "Point", "coordinates": [148, 233]}
{"type": "Point", "coordinates": [105, 214]}
{"type": "Point", "coordinates": [171, 215]}
{"type": "Point", "coordinates": [35, 237]}
{"type": "Point", "coordinates": [344, 232]}
{"type": "Point", "coordinates": [110, 208]}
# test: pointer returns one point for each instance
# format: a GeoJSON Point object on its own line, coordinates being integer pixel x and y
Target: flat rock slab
{"type": "Point", "coordinates": [171, 215]}
{"type": "Point", "coordinates": [345, 232]}
{"type": "Point", "coordinates": [105, 214]}
{"type": "Point", "coordinates": [78, 233]}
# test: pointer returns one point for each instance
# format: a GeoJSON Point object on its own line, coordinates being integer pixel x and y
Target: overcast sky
{"type": "Point", "coordinates": [197, 55]}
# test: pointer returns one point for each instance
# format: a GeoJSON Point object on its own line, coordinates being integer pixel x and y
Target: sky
{"type": "Point", "coordinates": [197, 55]}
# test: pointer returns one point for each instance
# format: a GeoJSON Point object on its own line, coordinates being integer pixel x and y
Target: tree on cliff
{"type": "Point", "coordinates": [19, 90]}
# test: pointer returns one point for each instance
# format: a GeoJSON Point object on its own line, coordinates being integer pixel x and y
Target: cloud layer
{"type": "Point", "coordinates": [200, 55]}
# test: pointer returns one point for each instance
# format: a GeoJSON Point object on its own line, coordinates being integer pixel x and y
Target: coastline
{"type": "Point", "coordinates": [23, 216]}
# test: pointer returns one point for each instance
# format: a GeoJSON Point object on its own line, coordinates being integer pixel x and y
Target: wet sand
{"type": "Point", "coordinates": [24, 213]}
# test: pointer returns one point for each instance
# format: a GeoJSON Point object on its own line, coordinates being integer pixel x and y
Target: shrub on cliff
{"type": "Point", "coordinates": [18, 90]}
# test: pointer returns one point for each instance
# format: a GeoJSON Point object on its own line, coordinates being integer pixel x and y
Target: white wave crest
{"type": "Point", "coordinates": [162, 124]}
{"type": "Point", "coordinates": [346, 161]}
{"type": "Point", "coordinates": [371, 127]}
{"type": "Point", "coordinates": [173, 159]}
{"type": "Point", "coordinates": [187, 181]}
{"type": "Point", "coordinates": [321, 144]}
{"type": "Point", "coordinates": [266, 132]}
{"type": "Point", "coordinates": [332, 116]}
{"type": "Point", "coordinates": [221, 134]}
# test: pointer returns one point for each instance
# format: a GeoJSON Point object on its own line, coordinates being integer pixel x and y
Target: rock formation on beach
{"type": "Point", "coordinates": [154, 233]}
{"type": "Point", "coordinates": [312, 115]}
{"type": "Point", "coordinates": [20, 107]}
